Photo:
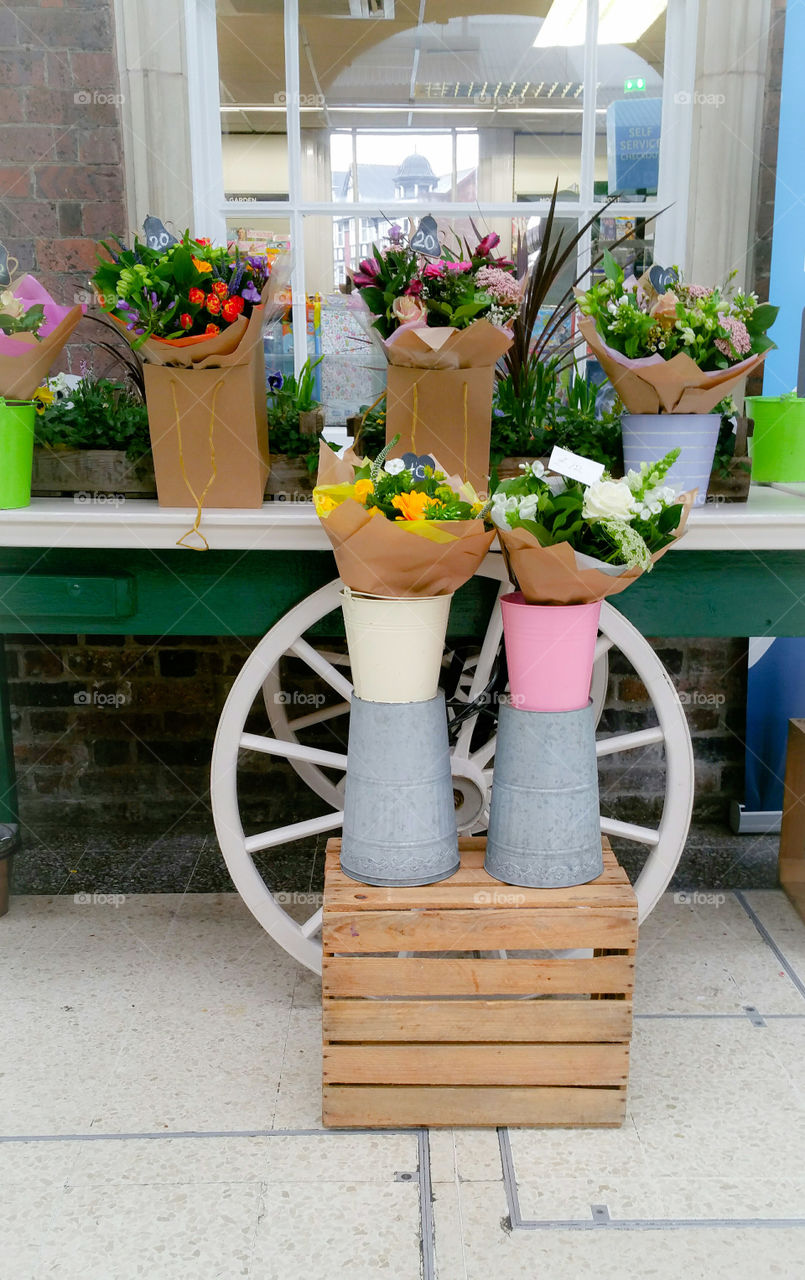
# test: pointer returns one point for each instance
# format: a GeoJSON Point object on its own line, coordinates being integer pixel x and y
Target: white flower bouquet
{"type": "Point", "coordinates": [567, 542]}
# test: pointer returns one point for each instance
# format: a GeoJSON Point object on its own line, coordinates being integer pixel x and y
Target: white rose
{"type": "Point", "coordinates": [608, 500]}
{"type": "Point", "coordinates": [10, 305]}
{"type": "Point", "coordinates": [394, 466]}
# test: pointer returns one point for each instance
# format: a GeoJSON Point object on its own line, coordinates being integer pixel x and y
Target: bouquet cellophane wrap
{"type": "Point", "coordinates": [207, 414]}
{"type": "Point", "coordinates": [439, 394]}
{"type": "Point", "coordinates": [25, 361]}
{"type": "Point", "coordinates": [383, 557]}
{"type": "Point", "coordinates": [650, 384]}
{"type": "Point", "coordinates": [560, 575]}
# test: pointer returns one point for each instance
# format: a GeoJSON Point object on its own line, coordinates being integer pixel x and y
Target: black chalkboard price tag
{"type": "Point", "coordinates": [416, 464]}
{"type": "Point", "coordinates": [425, 239]}
{"type": "Point", "coordinates": [157, 235]}
{"type": "Point", "coordinates": [662, 278]}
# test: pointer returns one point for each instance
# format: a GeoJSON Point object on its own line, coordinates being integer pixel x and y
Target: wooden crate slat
{"type": "Point", "coordinates": [411, 976]}
{"type": "Point", "coordinates": [456, 894]}
{"type": "Point", "coordinates": [476, 1020]}
{"type": "Point", "coordinates": [379, 1106]}
{"type": "Point", "coordinates": [460, 1064]}
{"type": "Point", "coordinates": [480, 929]}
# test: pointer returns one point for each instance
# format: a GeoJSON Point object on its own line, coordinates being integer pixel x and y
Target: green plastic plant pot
{"type": "Point", "coordinates": [777, 445]}
{"type": "Point", "coordinates": [16, 452]}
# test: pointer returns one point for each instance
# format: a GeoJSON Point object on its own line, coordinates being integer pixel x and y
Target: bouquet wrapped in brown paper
{"type": "Point", "coordinates": [568, 543]}
{"type": "Point", "coordinates": [671, 347]}
{"type": "Point", "coordinates": [33, 330]}
{"type": "Point", "coordinates": [395, 535]}
{"type": "Point", "coordinates": [196, 313]}
{"type": "Point", "coordinates": [442, 326]}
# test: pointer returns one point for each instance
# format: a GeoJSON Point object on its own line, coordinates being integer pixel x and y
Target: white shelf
{"type": "Point", "coordinates": [772, 520]}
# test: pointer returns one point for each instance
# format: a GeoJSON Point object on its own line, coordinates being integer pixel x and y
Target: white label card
{"type": "Point", "coordinates": [565, 463]}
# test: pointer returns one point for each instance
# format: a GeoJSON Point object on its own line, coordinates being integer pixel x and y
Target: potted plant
{"type": "Point", "coordinates": [568, 544]}
{"type": "Point", "coordinates": [402, 545]}
{"type": "Point", "coordinates": [442, 321]}
{"type": "Point", "coordinates": [92, 437]}
{"type": "Point", "coordinates": [295, 423]}
{"type": "Point", "coordinates": [672, 351]}
{"type": "Point", "coordinates": [196, 312]}
{"type": "Point", "coordinates": [33, 330]}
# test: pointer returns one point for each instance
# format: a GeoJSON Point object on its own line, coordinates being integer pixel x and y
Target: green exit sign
{"type": "Point", "coordinates": [637, 85]}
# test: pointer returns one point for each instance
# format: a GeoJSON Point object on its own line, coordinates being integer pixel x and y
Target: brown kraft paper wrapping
{"type": "Point", "coordinates": [552, 575]}
{"type": "Point", "coordinates": [439, 395]}
{"type": "Point", "coordinates": [208, 419]}
{"type": "Point", "coordinates": [381, 557]}
{"type": "Point", "coordinates": [677, 385]}
{"type": "Point", "coordinates": [20, 375]}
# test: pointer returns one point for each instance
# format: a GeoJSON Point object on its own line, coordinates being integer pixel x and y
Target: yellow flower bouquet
{"type": "Point", "coordinates": [395, 534]}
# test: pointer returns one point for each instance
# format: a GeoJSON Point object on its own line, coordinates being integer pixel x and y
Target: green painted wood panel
{"type": "Point", "coordinates": [177, 592]}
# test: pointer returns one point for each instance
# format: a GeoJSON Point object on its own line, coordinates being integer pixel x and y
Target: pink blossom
{"type": "Point", "coordinates": [489, 242]}
{"type": "Point", "coordinates": [499, 285]}
{"type": "Point", "coordinates": [737, 343]}
{"type": "Point", "coordinates": [697, 291]}
{"type": "Point", "coordinates": [459, 266]}
{"type": "Point", "coordinates": [433, 271]}
{"type": "Point", "coordinates": [414, 288]}
{"type": "Point", "coordinates": [367, 273]}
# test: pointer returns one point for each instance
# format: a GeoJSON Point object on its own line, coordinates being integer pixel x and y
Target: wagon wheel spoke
{"type": "Point", "coordinates": [629, 831]}
{"type": "Point", "coordinates": [628, 741]}
{"type": "Point", "coordinates": [290, 750]}
{"type": "Point", "coordinates": [285, 835]}
{"type": "Point", "coordinates": [319, 717]}
{"type": "Point", "coordinates": [312, 925]}
{"type": "Point", "coordinates": [318, 663]}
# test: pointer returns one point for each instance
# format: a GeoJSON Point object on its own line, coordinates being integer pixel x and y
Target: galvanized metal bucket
{"type": "Point", "coordinates": [399, 816]}
{"type": "Point", "coordinates": [544, 824]}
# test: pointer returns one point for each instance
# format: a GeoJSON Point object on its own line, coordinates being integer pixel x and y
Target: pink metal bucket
{"type": "Point", "coordinates": [550, 649]}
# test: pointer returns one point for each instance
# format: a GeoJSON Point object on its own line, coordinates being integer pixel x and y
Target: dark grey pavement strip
{"type": "Point", "coordinates": [770, 943]}
{"type": "Point", "coordinates": [427, 1237]}
{"type": "Point", "coordinates": [600, 1219]}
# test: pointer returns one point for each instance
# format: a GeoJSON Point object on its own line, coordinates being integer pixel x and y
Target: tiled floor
{"type": "Point", "coordinates": [159, 1115]}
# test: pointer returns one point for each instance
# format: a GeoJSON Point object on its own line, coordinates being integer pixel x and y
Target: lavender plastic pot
{"type": "Point", "coordinates": [647, 437]}
{"type": "Point", "coordinates": [550, 649]}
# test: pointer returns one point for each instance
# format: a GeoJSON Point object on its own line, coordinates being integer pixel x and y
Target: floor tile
{"type": "Point", "coordinates": [354, 1230]}
{"type": "Point", "coordinates": [542, 1154]}
{"type": "Point", "coordinates": [467, 1154]}
{"type": "Point", "coordinates": [706, 956]}
{"type": "Point", "coordinates": [298, 1103]}
{"type": "Point", "coordinates": [783, 922]}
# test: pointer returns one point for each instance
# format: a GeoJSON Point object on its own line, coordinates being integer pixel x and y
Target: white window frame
{"type": "Point", "coordinates": [211, 209]}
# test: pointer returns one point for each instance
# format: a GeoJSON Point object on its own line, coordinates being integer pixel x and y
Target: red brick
{"type": "Point", "coordinates": [12, 106]}
{"type": "Point", "coordinates": [632, 690]}
{"type": "Point", "coordinates": [95, 70]}
{"type": "Point", "coordinates": [9, 37]}
{"type": "Point", "coordinates": [22, 66]}
{"type": "Point", "coordinates": [15, 183]}
{"type": "Point", "coordinates": [32, 218]}
{"type": "Point", "coordinates": [77, 182]}
{"type": "Point", "coordinates": [105, 219]}
{"type": "Point", "coordinates": [30, 143]}
{"type": "Point", "coordinates": [23, 251]}
{"type": "Point", "coordinates": [70, 218]}
{"type": "Point", "coordinates": [66, 29]}
{"type": "Point", "coordinates": [65, 146]}
{"type": "Point", "coordinates": [58, 73]}
{"type": "Point", "coordinates": [99, 146]}
{"type": "Point", "coordinates": [67, 255]}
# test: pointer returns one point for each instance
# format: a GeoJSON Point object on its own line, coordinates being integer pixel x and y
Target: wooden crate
{"type": "Point", "coordinates": [792, 831]}
{"type": "Point", "coordinates": [433, 1014]}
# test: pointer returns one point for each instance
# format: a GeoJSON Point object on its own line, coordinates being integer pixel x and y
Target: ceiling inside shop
{"type": "Point", "coordinates": [435, 64]}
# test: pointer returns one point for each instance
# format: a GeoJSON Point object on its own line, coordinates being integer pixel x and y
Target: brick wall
{"type": "Point", "coordinates": [61, 173]}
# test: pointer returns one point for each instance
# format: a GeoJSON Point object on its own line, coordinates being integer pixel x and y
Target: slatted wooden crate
{"type": "Point", "coordinates": [445, 1005]}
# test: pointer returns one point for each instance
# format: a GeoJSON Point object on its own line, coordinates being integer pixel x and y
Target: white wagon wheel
{"type": "Point", "coordinates": [472, 761]}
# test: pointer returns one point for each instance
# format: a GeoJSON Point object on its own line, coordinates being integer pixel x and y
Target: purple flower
{"type": "Point", "coordinates": [275, 381]}
{"type": "Point", "coordinates": [250, 294]}
{"type": "Point", "coordinates": [395, 233]}
{"type": "Point", "coordinates": [153, 299]}
{"type": "Point", "coordinates": [83, 368]}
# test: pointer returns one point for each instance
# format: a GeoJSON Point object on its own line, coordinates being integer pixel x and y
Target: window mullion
{"type": "Point", "coordinates": [293, 128]}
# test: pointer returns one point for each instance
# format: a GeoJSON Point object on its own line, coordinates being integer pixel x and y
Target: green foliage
{"type": "Point", "coordinates": [287, 398]}
{"type": "Point", "coordinates": [29, 321]}
{"type": "Point", "coordinates": [615, 521]}
{"type": "Point", "coordinates": [372, 435]}
{"type": "Point", "coordinates": [99, 415]}
{"type": "Point", "coordinates": [553, 409]}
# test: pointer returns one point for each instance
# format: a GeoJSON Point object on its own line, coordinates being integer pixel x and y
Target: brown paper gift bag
{"type": "Point", "coordinates": [208, 419]}
{"type": "Point", "coordinates": [439, 395]}
{"type": "Point", "coordinates": [20, 375]}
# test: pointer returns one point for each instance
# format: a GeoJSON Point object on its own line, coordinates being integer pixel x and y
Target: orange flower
{"type": "Point", "coordinates": [412, 506]}
{"type": "Point", "coordinates": [220, 288]}
{"type": "Point", "coordinates": [196, 296]}
{"type": "Point", "coordinates": [212, 329]}
{"type": "Point", "coordinates": [201, 265]}
{"type": "Point", "coordinates": [362, 490]}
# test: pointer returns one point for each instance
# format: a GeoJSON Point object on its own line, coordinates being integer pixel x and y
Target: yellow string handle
{"type": "Point", "coordinates": [413, 424]}
{"type": "Point", "coordinates": [199, 500]}
{"type": "Point", "coordinates": [466, 433]}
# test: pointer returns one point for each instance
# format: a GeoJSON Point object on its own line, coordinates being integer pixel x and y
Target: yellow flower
{"type": "Point", "coordinates": [43, 397]}
{"type": "Point", "coordinates": [201, 265]}
{"type": "Point", "coordinates": [323, 503]}
{"type": "Point", "coordinates": [362, 490]}
{"type": "Point", "coordinates": [412, 506]}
